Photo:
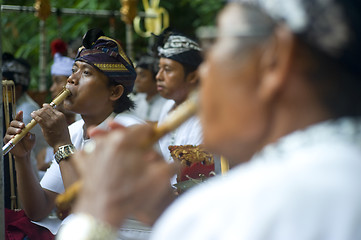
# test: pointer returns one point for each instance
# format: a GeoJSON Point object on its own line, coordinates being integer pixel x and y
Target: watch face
{"type": "Point", "coordinates": [67, 150]}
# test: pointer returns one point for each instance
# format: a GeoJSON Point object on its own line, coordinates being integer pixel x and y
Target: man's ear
{"type": "Point", "coordinates": [116, 92]}
{"type": "Point", "coordinates": [276, 63]}
{"type": "Point", "coordinates": [193, 77]}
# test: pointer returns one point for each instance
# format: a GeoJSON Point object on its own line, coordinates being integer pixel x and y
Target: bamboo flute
{"type": "Point", "coordinates": [11, 144]}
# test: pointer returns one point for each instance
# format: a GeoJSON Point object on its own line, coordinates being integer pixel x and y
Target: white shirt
{"type": "Point", "coordinates": [189, 133]}
{"type": "Point", "coordinates": [307, 186]}
{"type": "Point", "coordinates": [148, 110]}
{"type": "Point", "coordinates": [52, 179]}
{"type": "Point", "coordinates": [26, 104]}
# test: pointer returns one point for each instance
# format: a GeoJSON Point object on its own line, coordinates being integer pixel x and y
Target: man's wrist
{"type": "Point", "coordinates": [64, 152]}
{"type": "Point", "coordinates": [24, 160]}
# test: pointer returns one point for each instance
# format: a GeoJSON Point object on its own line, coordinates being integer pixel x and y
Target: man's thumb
{"type": "Point", "coordinates": [19, 116]}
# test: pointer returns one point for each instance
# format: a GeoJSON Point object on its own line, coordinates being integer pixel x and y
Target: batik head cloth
{"type": "Point", "coordinates": [330, 26]}
{"type": "Point", "coordinates": [178, 47]}
{"type": "Point", "coordinates": [148, 62]}
{"type": "Point", "coordinates": [16, 69]}
{"type": "Point", "coordinates": [106, 55]}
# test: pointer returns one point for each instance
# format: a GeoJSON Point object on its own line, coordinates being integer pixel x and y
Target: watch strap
{"type": "Point", "coordinates": [64, 152]}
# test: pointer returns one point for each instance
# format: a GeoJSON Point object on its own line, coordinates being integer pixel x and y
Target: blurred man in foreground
{"type": "Point", "coordinates": [280, 98]}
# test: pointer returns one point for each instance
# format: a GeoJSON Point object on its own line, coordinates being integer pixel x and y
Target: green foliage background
{"type": "Point", "coordinates": [20, 31]}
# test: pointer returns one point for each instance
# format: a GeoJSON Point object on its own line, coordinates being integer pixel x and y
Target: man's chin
{"type": "Point", "coordinates": [67, 106]}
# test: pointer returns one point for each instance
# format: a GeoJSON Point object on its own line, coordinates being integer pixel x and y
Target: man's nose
{"type": "Point", "coordinates": [73, 78]}
{"type": "Point", "coordinates": [158, 77]}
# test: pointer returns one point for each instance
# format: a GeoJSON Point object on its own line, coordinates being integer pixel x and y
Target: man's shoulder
{"type": "Point", "coordinates": [274, 195]}
{"type": "Point", "coordinates": [127, 119]}
{"type": "Point", "coordinates": [166, 107]}
{"type": "Point", "coordinates": [76, 124]}
{"type": "Point", "coordinates": [168, 104]}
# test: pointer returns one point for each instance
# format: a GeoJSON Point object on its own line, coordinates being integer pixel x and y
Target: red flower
{"type": "Point", "coordinates": [195, 171]}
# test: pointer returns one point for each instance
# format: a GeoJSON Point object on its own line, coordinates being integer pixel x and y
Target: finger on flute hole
{"type": "Point", "coordinates": [19, 116]}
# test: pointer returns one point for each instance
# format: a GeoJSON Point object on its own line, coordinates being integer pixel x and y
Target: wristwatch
{"type": "Point", "coordinates": [64, 152]}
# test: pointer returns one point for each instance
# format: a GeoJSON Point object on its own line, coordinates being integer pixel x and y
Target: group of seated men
{"type": "Point", "coordinates": [279, 99]}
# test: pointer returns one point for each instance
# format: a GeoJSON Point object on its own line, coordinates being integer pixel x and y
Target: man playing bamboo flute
{"type": "Point", "coordinates": [102, 77]}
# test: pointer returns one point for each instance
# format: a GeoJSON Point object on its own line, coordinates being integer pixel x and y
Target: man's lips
{"type": "Point", "coordinates": [71, 91]}
{"type": "Point", "coordinates": [160, 88]}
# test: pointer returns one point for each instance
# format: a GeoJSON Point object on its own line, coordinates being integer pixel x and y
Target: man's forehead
{"type": "Point", "coordinates": [166, 61]}
{"type": "Point", "coordinates": [82, 64]}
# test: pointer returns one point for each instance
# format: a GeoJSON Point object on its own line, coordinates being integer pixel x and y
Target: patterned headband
{"type": "Point", "coordinates": [16, 70]}
{"type": "Point", "coordinates": [179, 48]}
{"type": "Point", "coordinates": [106, 55]}
{"type": "Point", "coordinates": [176, 45]}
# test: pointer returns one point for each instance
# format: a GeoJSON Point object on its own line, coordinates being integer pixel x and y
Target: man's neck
{"type": "Point", "coordinates": [292, 117]}
{"type": "Point", "coordinates": [150, 95]}
{"type": "Point", "coordinates": [90, 120]}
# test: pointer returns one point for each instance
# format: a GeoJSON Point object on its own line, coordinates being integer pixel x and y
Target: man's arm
{"type": "Point", "coordinates": [56, 133]}
{"type": "Point", "coordinates": [36, 201]}
{"type": "Point", "coordinates": [123, 177]}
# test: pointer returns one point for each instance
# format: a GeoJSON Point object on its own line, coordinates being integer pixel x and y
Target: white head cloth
{"type": "Point", "coordinates": [62, 65]}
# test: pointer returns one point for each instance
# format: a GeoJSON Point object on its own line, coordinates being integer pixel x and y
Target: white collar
{"type": "Point", "coordinates": [102, 125]}
{"type": "Point", "coordinates": [345, 129]}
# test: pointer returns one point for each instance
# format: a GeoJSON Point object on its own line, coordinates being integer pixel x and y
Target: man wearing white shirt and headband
{"type": "Point", "coordinates": [177, 77]}
{"type": "Point", "coordinates": [102, 77]}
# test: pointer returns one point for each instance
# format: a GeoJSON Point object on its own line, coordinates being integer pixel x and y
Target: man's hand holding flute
{"type": "Point", "coordinates": [129, 174]}
{"type": "Point", "coordinates": [55, 131]}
